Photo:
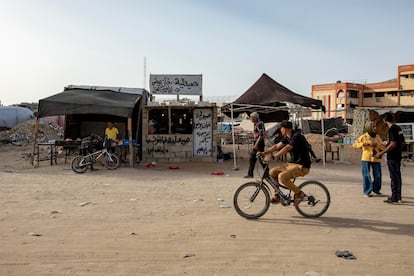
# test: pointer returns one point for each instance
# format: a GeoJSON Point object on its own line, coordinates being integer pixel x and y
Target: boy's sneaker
{"type": "Point", "coordinates": [378, 193]}
{"type": "Point", "coordinates": [390, 200]}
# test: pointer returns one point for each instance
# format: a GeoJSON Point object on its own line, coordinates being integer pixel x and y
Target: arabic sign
{"type": "Point", "coordinates": [203, 121]}
{"type": "Point", "coordinates": [176, 84]}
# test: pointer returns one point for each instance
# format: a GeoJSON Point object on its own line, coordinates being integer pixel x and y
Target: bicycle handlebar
{"type": "Point", "coordinates": [262, 160]}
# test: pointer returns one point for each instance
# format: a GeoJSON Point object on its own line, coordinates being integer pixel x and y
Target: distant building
{"type": "Point", "coordinates": [341, 98]}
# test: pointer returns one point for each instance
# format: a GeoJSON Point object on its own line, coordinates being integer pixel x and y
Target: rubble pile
{"type": "Point", "coordinates": [23, 134]}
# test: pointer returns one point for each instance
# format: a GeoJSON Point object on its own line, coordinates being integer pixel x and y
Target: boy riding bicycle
{"type": "Point", "coordinates": [299, 165]}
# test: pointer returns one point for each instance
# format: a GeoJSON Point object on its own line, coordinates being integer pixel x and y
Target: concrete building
{"type": "Point", "coordinates": [341, 98]}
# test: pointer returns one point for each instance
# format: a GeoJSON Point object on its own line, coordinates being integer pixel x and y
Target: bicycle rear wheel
{"type": "Point", "coordinates": [316, 201]}
{"type": "Point", "coordinates": [251, 200]}
{"type": "Point", "coordinates": [111, 164]}
{"type": "Point", "coordinates": [76, 164]}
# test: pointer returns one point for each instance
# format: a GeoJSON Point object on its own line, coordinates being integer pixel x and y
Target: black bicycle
{"type": "Point", "coordinates": [252, 200]}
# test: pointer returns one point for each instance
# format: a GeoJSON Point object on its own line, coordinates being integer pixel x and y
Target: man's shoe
{"type": "Point", "coordinates": [390, 200]}
{"type": "Point", "coordinates": [298, 198]}
{"type": "Point", "coordinates": [248, 176]}
{"type": "Point", "coordinates": [369, 195]}
{"type": "Point", "coordinates": [317, 160]}
{"type": "Point", "coordinates": [378, 193]}
{"type": "Point", "coordinates": [275, 199]}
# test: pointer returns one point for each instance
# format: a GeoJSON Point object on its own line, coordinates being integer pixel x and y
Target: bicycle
{"type": "Point", "coordinates": [252, 199]}
{"type": "Point", "coordinates": [80, 163]}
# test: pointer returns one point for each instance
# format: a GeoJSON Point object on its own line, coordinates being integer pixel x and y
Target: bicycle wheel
{"type": "Point", "coordinates": [111, 164]}
{"type": "Point", "coordinates": [316, 201]}
{"type": "Point", "coordinates": [251, 200]}
{"type": "Point", "coordinates": [76, 166]}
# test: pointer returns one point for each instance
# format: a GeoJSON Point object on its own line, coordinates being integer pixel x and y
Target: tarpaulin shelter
{"type": "Point", "coordinates": [97, 100]}
{"type": "Point", "coordinates": [272, 100]}
{"type": "Point", "coordinates": [10, 116]}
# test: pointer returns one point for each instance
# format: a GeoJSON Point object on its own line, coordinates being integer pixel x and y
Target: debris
{"type": "Point", "coordinates": [173, 167]}
{"type": "Point", "coordinates": [54, 212]}
{"type": "Point", "coordinates": [233, 236]}
{"type": "Point", "coordinates": [189, 255]}
{"type": "Point", "coordinates": [313, 273]}
{"type": "Point", "coordinates": [220, 199]}
{"type": "Point", "coordinates": [217, 173]}
{"type": "Point", "coordinates": [23, 134]}
{"type": "Point", "coordinates": [197, 200]}
{"type": "Point", "coordinates": [345, 254]}
{"type": "Point", "coordinates": [133, 233]}
{"type": "Point", "coordinates": [133, 199]}
{"type": "Point", "coordinates": [224, 206]}
{"type": "Point", "coordinates": [35, 234]}
{"type": "Point", "coordinates": [84, 203]}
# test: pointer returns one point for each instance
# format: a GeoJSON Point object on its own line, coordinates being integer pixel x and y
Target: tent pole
{"type": "Point", "coordinates": [36, 131]}
{"type": "Point", "coordinates": [130, 145]}
{"type": "Point", "coordinates": [232, 136]}
{"type": "Point", "coordinates": [323, 139]}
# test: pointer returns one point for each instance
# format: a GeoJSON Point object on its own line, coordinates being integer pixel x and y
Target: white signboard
{"type": "Point", "coordinates": [176, 84]}
{"type": "Point", "coordinates": [203, 121]}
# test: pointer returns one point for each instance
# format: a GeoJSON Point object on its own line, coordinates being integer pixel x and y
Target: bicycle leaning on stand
{"type": "Point", "coordinates": [81, 163]}
{"type": "Point", "coordinates": [252, 199]}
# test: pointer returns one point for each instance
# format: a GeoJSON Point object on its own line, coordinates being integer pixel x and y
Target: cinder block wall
{"type": "Point", "coordinates": [175, 148]}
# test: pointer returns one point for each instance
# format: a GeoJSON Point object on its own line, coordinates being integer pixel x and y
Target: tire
{"type": "Point", "coordinates": [111, 165]}
{"type": "Point", "coordinates": [243, 203]}
{"type": "Point", "coordinates": [76, 167]}
{"type": "Point", "coordinates": [316, 201]}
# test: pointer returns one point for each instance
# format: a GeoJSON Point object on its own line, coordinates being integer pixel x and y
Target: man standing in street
{"type": "Point", "coordinates": [394, 156]}
{"type": "Point", "coordinates": [259, 144]}
{"type": "Point", "coordinates": [370, 143]}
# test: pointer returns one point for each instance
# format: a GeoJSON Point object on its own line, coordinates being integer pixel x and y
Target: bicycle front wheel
{"type": "Point", "coordinates": [111, 163]}
{"type": "Point", "coordinates": [251, 200]}
{"type": "Point", "coordinates": [316, 201]}
{"type": "Point", "coordinates": [77, 166]}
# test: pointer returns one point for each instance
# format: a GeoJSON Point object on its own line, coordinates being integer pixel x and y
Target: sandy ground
{"type": "Point", "coordinates": [156, 221]}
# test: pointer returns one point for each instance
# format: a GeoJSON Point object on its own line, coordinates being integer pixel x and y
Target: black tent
{"type": "Point", "coordinates": [83, 100]}
{"type": "Point", "coordinates": [90, 101]}
{"type": "Point", "coordinates": [270, 99]}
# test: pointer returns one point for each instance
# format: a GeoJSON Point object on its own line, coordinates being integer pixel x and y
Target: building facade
{"type": "Point", "coordinates": [341, 98]}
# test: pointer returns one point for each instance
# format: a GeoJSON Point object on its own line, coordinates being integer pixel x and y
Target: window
{"type": "Point", "coordinates": [158, 121]}
{"type": "Point", "coordinates": [367, 95]}
{"type": "Point", "coordinates": [353, 94]}
{"type": "Point", "coordinates": [392, 94]}
{"type": "Point", "coordinates": [379, 94]}
{"type": "Point", "coordinates": [407, 93]}
{"type": "Point", "coordinates": [340, 94]}
{"type": "Point", "coordinates": [181, 121]}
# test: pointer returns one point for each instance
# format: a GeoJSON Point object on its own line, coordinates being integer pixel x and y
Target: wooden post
{"type": "Point", "coordinates": [36, 131]}
{"type": "Point", "coordinates": [131, 146]}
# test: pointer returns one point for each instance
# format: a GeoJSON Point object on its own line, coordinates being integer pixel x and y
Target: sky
{"type": "Point", "coordinates": [46, 45]}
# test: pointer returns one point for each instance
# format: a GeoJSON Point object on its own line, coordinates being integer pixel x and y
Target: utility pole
{"type": "Point", "coordinates": [145, 73]}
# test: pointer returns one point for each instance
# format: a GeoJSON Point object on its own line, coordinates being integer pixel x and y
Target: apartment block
{"type": "Point", "coordinates": [341, 98]}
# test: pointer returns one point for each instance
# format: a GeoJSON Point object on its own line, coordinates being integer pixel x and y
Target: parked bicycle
{"type": "Point", "coordinates": [252, 200]}
{"type": "Point", "coordinates": [87, 158]}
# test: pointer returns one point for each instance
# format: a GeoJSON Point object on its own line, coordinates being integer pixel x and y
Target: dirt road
{"type": "Point", "coordinates": [156, 221]}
